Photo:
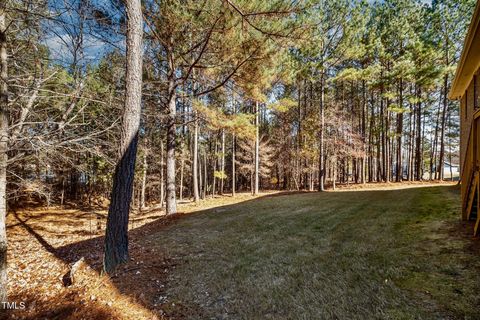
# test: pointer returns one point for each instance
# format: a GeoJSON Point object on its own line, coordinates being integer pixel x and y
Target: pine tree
{"type": "Point", "coordinates": [116, 238]}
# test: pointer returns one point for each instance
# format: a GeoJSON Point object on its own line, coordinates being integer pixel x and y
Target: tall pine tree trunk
{"type": "Point", "coordinates": [205, 176]}
{"type": "Point", "coordinates": [399, 175]}
{"type": "Point", "coordinates": [222, 165]}
{"type": "Point", "coordinates": [383, 136]}
{"type": "Point", "coordinates": [321, 156]}
{"type": "Point", "coordinates": [200, 173]}
{"type": "Point", "coordinates": [233, 165]}
{"type": "Point", "coordinates": [298, 137]}
{"type": "Point", "coordinates": [410, 144]}
{"type": "Point", "coordinates": [162, 176]}
{"type": "Point", "coordinates": [432, 174]}
{"type": "Point", "coordinates": [422, 151]}
{"type": "Point", "coordinates": [214, 183]}
{"type": "Point", "coordinates": [234, 181]}
{"type": "Point", "coordinates": [371, 144]}
{"type": "Point", "coordinates": [441, 158]}
{"type": "Point", "coordinates": [171, 135]}
{"type": "Point", "coordinates": [196, 195]}
{"type": "Point", "coordinates": [388, 154]}
{"type": "Point", "coordinates": [116, 239]}
{"type": "Point", "coordinates": [450, 148]}
{"type": "Point", "coordinates": [418, 138]}
{"type": "Point", "coordinates": [363, 173]}
{"type": "Point", "coordinates": [195, 168]}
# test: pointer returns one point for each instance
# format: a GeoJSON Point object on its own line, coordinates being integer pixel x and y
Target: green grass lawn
{"type": "Point", "coordinates": [398, 254]}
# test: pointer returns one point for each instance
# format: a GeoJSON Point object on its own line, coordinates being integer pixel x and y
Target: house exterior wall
{"type": "Point", "coordinates": [466, 88]}
{"type": "Point", "coordinates": [467, 110]}
{"type": "Point", "coordinates": [469, 139]}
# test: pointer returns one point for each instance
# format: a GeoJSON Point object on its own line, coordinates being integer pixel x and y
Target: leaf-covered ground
{"type": "Point", "coordinates": [373, 253]}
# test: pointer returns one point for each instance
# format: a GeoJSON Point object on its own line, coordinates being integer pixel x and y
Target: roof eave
{"type": "Point", "coordinates": [467, 65]}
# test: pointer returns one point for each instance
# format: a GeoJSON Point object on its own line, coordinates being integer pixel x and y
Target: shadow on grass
{"type": "Point", "coordinates": [149, 266]}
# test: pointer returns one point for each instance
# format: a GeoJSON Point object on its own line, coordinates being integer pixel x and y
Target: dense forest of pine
{"type": "Point", "coordinates": [221, 96]}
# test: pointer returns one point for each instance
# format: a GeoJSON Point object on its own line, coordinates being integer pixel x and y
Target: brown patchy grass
{"type": "Point", "coordinates": [375, 252]}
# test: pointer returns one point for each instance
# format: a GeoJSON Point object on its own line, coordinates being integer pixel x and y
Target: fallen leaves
{"type": "Point", "coordinates": [44, 244]}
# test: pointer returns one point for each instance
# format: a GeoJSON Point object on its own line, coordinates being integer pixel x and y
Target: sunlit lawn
{"type": "Point", "coordinates": [396, 254]}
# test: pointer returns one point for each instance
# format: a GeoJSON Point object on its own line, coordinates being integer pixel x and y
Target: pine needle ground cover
{"type": "Point", "coordinates": [354, 254]}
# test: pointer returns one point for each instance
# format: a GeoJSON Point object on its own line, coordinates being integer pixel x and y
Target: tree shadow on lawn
{"type": "Point", "coordinates": [134, 279]}
{"type": "Point", "coordinates": [92, 249]}
{"type": "Point", "coordinates": [145, 277]}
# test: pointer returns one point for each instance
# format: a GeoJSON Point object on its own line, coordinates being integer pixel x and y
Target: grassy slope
{"type": "Point", "coordinates": [346, 255]}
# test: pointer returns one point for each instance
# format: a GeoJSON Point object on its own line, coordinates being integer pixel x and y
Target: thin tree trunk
{"type": "Point", "coordinates": [182, 170]}
{"type": "Point", "coordinates": [214, 183]}
{"type": "Point", "coordinates": [383, 151]}
{"type": "Point", "coordinates": [334, 172]}
{"type": "Point", "coordinates": [195, 166]}
{"type": "Point", "coordinates": [171, 136]}
{"type": "Point", "coordinates": [399, 173]}
{"type": "Point", "coordinates": [418, 134]}
{"type": "Point", "coordinates": [450, 149]}
{"type": "Point", "coordinates": [411, 142]}
{"type": "Point", "coordinates": [234, 141]}
{"type": "Point", "coordinates": [371, 159]}
{"type": "Point", "coordinates": [222, 165]}
{"type": "Point", "coordinates": [257, 149]}
{"type": "Point", "coordinates": [252, 183]}
{"type": "Point", "coordinates": [379, 139]}
{"type": "Point", "coordinates": [388, 154]}
{"type": "Point", "coordinates": [200, 174]}
{"type": "Point", "coordinates": [162, 176]}
{"type": "Point", "coordinates": [196, 195]}
{"type": "Point", "coordinates": [3, 153]}
{"type": "Point", "coordinates": [321, 157]}
{"type": "Point", "coordinates": [310, 179]}
{"type": "Point", "coordinates": [433, 175]}
{"type": "Point", "coordinates": [299, 133]}
{"type": "Point", "coordinates": [116, 238]}
{"type": "Point", "coordinates": [364, 134]}
{"type": "Point", "coordinates": [28, 106]}
{"type": "Point", "coordinates": [422, 144]}
{"type": "Point", "coordinates": [233, 165]}
{"type": "Point", "coordinates": [62, 194]}
{"type": "Point", "coordinates": [441, 158]}
{"type": "Point", "coordinates": [205, 176]}
{"type": "Point", "coordinates": [144, 182]}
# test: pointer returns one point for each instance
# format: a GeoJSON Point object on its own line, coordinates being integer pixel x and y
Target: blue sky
{"type": "Point", "coordinates": [60, 34]}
